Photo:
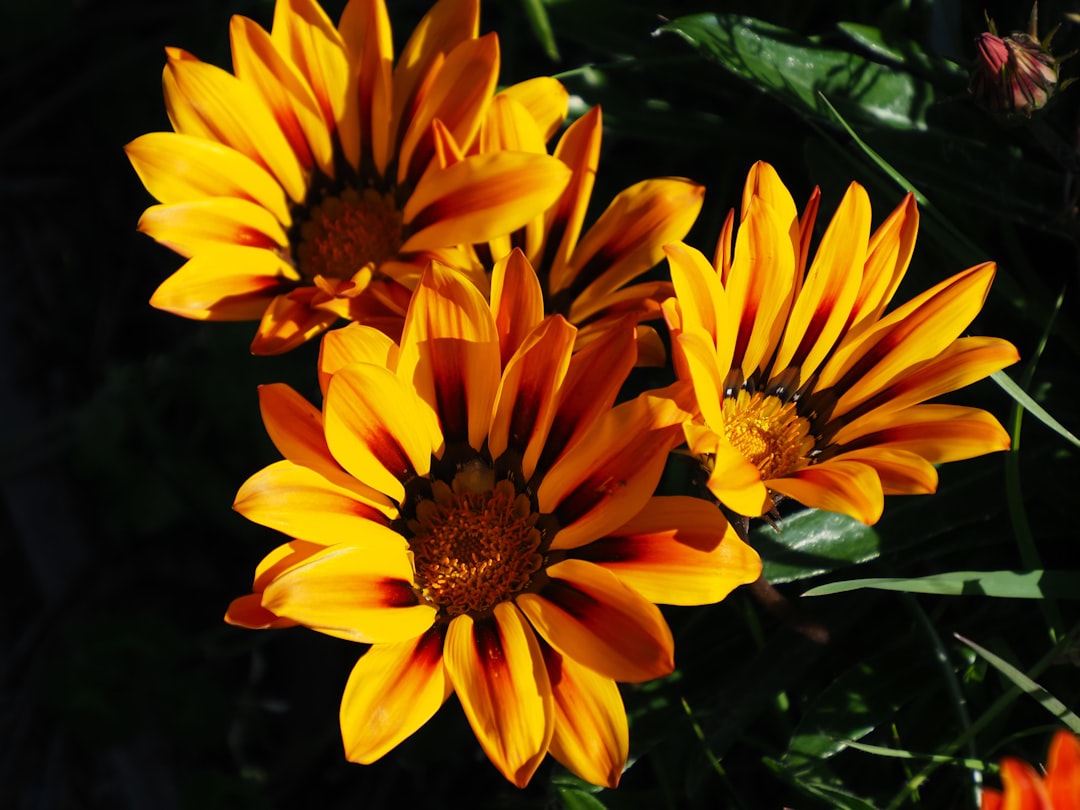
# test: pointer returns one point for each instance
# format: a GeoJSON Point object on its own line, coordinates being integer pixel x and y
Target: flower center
{"type": "Point", "coordinates": [768, 432]}
{"type": "Point", "coordinates": [474, 543]}
{"type": "Point", "coordinates": [346, 232]}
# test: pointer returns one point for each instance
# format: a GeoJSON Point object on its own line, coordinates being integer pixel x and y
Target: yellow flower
{"type": "Point", "coordinates": [588, 278]}
{"type": "Point", "coordinates": [1024, 789]}
{"type": "Point", "coordinates": [467, 504]}
{"type": "Point", "coordinates": [805, 387]}
{"type": "Point", "coordinates": [307, 185]}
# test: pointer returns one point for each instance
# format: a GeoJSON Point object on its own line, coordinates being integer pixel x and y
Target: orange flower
{"type": "Point", "coordinates": [805, 387]}
{"type": "Point", "coordinates": [466, 503]}
{"type": "Point", "coordinates": [1024, 789]}
{"type": "Point", "coordinates": [589, 278]}
{"type": "Point", "coordinates": [305, 186]}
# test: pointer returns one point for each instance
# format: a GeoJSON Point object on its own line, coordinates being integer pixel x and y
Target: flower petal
{"type": "Point", "coordinates": [360, 590]}
{"type": "Point", "coordinates": [702, 300]}
{"type": "Point", "coordinates": [676, 551]}
{"type": "Point", "coordinates": [225, 283]}
{"type": "Point", "coordinates": [848, 487]}
{"type": "Point", "coordinates": [480, 198]}
{"type": "Point", "coordinates": [1063, 769]}
{"type": "Point", "coordinates": [498, 672]}
{"type": "Point", "coordinates": [938, 433]}
{"type": "Point", "coordinates": [591, 736]}
{"type": "Point", "coordinates": [900, 471]}
{"type": "Point", "coordinates": [887, 257]}
{"type": "Point", "coordinates": [354, 343]}
{"type": "Point", "coordinates": [365, 30]}
{"type": "Point", "coordinates": [545, 99]}
{"type": "Point", "coordinates": [291, 321]}
{"type": "Point", "coordinates": [376, 429]}
{"type": "Point", "coordinates": [588, 615]}
{"type": "Point", "coordinates": [177, 168]}
{"type": "Point", "coordinates": [191, 227]}
{"type": "Point", "coordinates": [733, 480]}
{"type": "Point", "coordinates": [392, 691]}
{"type": "Point", "coordinates": [517, 301]}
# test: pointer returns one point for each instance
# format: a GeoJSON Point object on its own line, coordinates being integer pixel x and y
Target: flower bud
{"type": "Point", "coordinates": [1013, 75]}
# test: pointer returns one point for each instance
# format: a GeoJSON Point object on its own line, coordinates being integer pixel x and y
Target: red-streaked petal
{"type": "Point", "coordinates": [301, 503]}
{"type": "Point", "coordinates": [591, 736]}
{"type": "Point", "coordinates": [376, 429]}
{"type": "Point", "coordinates": [887, 259]}
{"type": "Point", "coordinates": [845, 486]}
{"type": "Point", "coordinates": [290, 321]}
{"type": "Point", "coordinates": [824, 302]}
{"type": "Point", "coordinates": [177, 168]}
{"type": "Point", "coordinates": [499, 676]}
{"type": "Point", "coordinates": [206, 101]}
{"type": "Point", "coordinates": [516, 301]}
{"type": "Point", "coordinates": [450, 354]}
{"type": "Point", "coordinates": [676, 551]}
{"type": "Point", "coordinates": [360, 590]}
{"type": "Point", "coordinates": [247, 611]}
{"type": "Point", "coordinates": [604, 479]}
{"type": "Point", "coordinates": [938, 433]}
{"type": "Point", "coordinates": [480, 198]}
{"type": "Point", "coordinates": [763, 182]}
{"type": "Point", "coordinates": [525, 406]}
{"type": "Point", "coordinates": [900, 471]}
{"type": "Point", "coordinates": [458, 97]}
{"type": "Point", "coordinates": [588, 615]}
{"type": "Point", "coordinates": [365, 30]}
{"type": "Point", "coordinates": [392, 691]}
{"type": "Point", "coordinates": [286, 92]}
{"type": "Point", "coordinates": [354, 343]}
{"type": "Point", "coordinates": [189, 228]}
{"type": "Point", "coordinates": [628, 239]}
{"type": "Point", "coordinates": [226, 283]}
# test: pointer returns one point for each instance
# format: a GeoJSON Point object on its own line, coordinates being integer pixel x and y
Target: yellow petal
{"type": "Point", "coordinates": [376, 429]}
{"type": "Point", "coordinates": [591, 736]}
{"type": "Point", "coordinates": [499, 676]}
{"type": "Point", "coordinates": [848, 487]}
{"type": "Point", "coordinates": [733, 480]}
{"type": "Point", "coordinates": [360, 590]}
{"type": "Point", "coordinates": [392, 691]}
{"type": "Point", "coordinates": [705, 374]}
{"type": "Point", "coordinates": [900, 471]}
{"type": "Point", "coordinates": [702, 300]}
{"type": "Point", "coordinates": [178, 168]}
{"type": "Point", "coordinates": [191, 227]}
{"type": "Point", "coordinates": [365, 30]}
{"type": "Point", "coordinates": [290, 321]}
{"type": "Point", "coordinates": [676, 551]}
{"type": "Point", "coordinates": [545, 99]}
{"type": "Point", "coordinates": [586, 614]}
{"type": "Point", "coordinates": [887, 259]}
{"type": "Point", "coordinates": [509, 126]}
{"type": "Point", "coordinates": [450, 354]}
{"type": "Point", "coordinates": [516, 301]}
{"type": "Point", "coordinates": [481, 197]}
{"type": "Point", "coordinates": [764, 183]}
{"type": "Point", "coordinates": [354, 343]}
{"type": "Point", "coordinates": [938, 433]}
{"type": "Point", "coordinates": [288, 95]}
{"type": "Point", "coordinates": [204, 100]}
{"type": "Point", "coordinates": [226, 283]}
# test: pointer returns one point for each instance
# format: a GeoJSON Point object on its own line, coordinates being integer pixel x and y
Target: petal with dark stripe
{"type": "Point", "coordinates": [848, 487]}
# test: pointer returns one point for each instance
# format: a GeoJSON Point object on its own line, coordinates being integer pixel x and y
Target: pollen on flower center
{"type": "Point", "coordinates": [344, 233]}
{"type": "Point", "coordinates": [768, 432]}
{"type": "Point", "coordinates": [474, 543]}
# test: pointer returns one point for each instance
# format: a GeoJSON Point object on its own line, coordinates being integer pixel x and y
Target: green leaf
{"type": "Point", "coordinates": [811, 542]}
{"type": "Point", "coordinates": [1031, 406]}
{"type": "Point", "coordinates": [538, 18]}
{"type": "Point", "coordinates": [1036, 584]}
{"type": "Point", "coordinates": [897, 753]}
{"type": "Point", "coordinates": [797, 70]}
{"type": "Point", "coordinates": [575, 799]}
{"type": "Point", "coordinates": [1023, 682]}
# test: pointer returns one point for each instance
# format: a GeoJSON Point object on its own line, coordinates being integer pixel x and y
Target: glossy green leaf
{"type": "Point", "coordinates": [796, 70]}
{"type": "Point", "coordinates": [1007, 584]}
{"type": "Point", "coordinates": [811, 542]}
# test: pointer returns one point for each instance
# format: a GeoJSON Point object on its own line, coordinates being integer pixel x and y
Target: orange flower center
{"type": "Point", "coordinates": [345, 233]}
{"type": "Point", "coordinates": [474, 543]}
{"type": "Point", "coordinates": [768, 432]}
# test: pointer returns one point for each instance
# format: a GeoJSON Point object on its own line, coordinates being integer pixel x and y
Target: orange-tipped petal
{"type": "Point", "coordinates": [588, 615]}
{"type": "Point", "coordinates": [290, 321]}
{"type": "Point", "coordinates": [517, 301]}
{"type": "Point", "coordinates": [848, 487]}
{"type": "Point", "coordinates": [499, 676]}
{"type": "Point", "coordinates": [360, 590]}
{"type": "Point", "coordinates": [392, 691]}
{"type": "Point", "coordinates": [887, 259]}
{"type": "Point", "coordinates": [676, 551]}
{"type": "Point", "coordinates": [1063, 771]}
{"type": "Point", "coordinates": [591, 736]}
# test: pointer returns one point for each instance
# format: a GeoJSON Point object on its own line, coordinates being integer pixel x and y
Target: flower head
{"type": "Point", "coordinates": [589, 278]}
{"type": "Point", "coordinates": [1024, 789]}
{"type": "Point", "coordinates": [466, 503]}
{"type": "Point", "coordinates": [805, 387]}
{"type": "Point", "coordinates": [307, 185]}
{"type": "Point", "coordinates": [1015, 74]}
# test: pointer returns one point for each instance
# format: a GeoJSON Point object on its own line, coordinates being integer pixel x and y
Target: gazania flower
{"type": "Point", "coordinates": [304, 185]}
{"type": "Point", "coordinates": [1024, 789]}
{"type": "Point", "coordinates": [589, 279]}
{"type": "Point", "coordinates": [467, 504]}
{"type": "Point", "coordinates": [806, 387]}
